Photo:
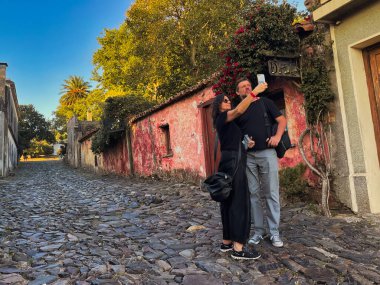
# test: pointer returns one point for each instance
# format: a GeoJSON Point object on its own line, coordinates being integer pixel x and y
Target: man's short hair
{"type": "Point", "coordinates": [241, 79]}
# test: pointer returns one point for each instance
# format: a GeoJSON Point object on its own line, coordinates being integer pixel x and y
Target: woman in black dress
{"type": "Point", "coordinates": [235, 211]}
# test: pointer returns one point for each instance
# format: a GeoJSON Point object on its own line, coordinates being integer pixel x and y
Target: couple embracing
{"type": "Point", "coordinates": [256, 173]}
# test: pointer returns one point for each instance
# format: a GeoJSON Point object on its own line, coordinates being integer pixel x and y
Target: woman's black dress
{"type": "Point", "coordinates": [235, 211]}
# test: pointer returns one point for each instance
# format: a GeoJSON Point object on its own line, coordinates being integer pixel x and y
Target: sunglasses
{"type": "Point", "coordinates": [226, 100]}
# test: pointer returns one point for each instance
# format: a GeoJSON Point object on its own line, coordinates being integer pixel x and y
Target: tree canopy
{"type": "Point", "coordinates": [73, 89]}
{"type": "Point", "coordinates": [165, 46]}
{"type": "Point", "coordinates": [33, 125]}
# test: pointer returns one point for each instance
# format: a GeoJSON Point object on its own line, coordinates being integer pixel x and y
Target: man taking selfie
{"type": "Point", "coordinates": [262, 163]}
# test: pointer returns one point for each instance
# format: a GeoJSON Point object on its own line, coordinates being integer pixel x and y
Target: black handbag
{"type": "Point", "coordinates": [219, 184]}
{"type": "Point", "coordinates": [284, 143]}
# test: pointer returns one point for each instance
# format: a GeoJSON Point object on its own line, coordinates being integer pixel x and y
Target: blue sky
{"type": "Point", "coordinates": [46, 41]}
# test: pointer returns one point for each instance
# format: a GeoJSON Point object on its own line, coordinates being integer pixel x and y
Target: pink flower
{"type": "Point", "coordinates": [240, 30]}
{"type": "Point", "coordinates": [215, 86]}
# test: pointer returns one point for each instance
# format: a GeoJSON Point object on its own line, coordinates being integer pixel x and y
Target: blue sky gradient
{"type": "Point", "coordinates": [46, 41]}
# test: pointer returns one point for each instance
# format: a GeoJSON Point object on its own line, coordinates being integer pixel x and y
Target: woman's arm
{"type": "Point", "coordinates": [243, 105]}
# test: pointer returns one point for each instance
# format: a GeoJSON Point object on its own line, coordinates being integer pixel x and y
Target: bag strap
{"type": "Point", "coordinates": [215, 151]}
{"type": "Point", "coordinates": [238, 161]}
{"type": "Point", "coordinates": [215, 146]}
{"type": "Point", "coordinates": [268, 124]}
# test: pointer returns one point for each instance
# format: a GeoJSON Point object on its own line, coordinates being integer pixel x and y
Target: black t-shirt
{"type": "Point", "coordinates": [252, 122]}
{"type": "Point", "coordinates": [228, 132]}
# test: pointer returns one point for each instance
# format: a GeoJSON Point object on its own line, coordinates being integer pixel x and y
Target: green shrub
{"type": "Point", "coordinates": [38, 148]}
{"type": "Point", "coordinates": [266, 31]}
{"type": "Point", "coordinates": [292, 182]}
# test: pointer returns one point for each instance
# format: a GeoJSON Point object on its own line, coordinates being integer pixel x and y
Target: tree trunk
{"type": "Point", "coordinates": [325, 196]}
{"type": "Point", "coordinates": [324, 175]}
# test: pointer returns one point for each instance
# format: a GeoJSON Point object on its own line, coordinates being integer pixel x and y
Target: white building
{"type": "Point", "coordinates": [9, 117]}
{"type": "Point", "coordinates": [56, 148]}
{"type": "Point", "coordinates": [355, 34]}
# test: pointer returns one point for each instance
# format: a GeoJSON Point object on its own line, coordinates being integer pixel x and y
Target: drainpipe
{"type": "Point", "coordinates": [129, 149]}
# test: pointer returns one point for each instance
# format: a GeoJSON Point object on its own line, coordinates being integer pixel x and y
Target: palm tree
{"type": "Point", "coordinates": [73, 89]}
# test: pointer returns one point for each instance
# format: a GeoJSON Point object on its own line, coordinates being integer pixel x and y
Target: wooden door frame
{"type": "Point", "coordinates": [206, 138]}
{"type": "Point", "coordinates": [375, 107]}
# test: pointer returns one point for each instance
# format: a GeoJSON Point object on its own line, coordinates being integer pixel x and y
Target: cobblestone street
{"type": "Point", "coordinates": [64, 226]}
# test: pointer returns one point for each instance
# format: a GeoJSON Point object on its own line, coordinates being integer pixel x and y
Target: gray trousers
{"type": "Point", "coordinates": [263, 181]}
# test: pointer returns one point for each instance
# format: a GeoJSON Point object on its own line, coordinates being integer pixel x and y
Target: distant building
{"type": "Point", "coordinates": [57, 147]}
{"type": "Point", "coordinates": [75, 131]}
{"type": "Point", "coordinates": [9, 117]}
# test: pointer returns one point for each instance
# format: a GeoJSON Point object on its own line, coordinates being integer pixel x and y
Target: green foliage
{"type": "Point", "coordinates": [73, 89]}
{"type": "Point", "coordinates": [292, 181]}
{"type": "Point", "coordinates": [266, 31]}
{"type": "Point", "coordinates": [116, 112]}
{"type": "Point", "coordinates": [39, 147]}
{"type": "Point", "coordinates": [59, 127]}
{"type": "Point", "coordinates": [75, 100]}
{"type": "Point", "coordinates": [81, 106]}
{"type": "Point", "coordinates": [33, 125]}
{"type": "Point", "coordinates": [315, 76]}
{"type": "Point", "coordinates": [165, 46]}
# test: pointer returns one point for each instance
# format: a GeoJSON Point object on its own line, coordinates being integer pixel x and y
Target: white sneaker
{"type": "Point", "coordinates": [256, 239]}
{"type": "Point", "coordinates": [276, 241]}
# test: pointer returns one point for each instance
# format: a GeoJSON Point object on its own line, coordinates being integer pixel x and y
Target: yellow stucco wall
{"type": "Point", "coordinates": [350, 36]}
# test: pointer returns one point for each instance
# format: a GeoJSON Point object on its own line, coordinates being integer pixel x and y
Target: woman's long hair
{"type": "Point", "coordinates": [215, 108]}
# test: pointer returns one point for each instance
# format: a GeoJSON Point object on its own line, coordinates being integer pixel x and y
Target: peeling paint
{"type": "Point", "coordinates": [185, 127]}
{"type": "Point", "coordinates": [178, 149]}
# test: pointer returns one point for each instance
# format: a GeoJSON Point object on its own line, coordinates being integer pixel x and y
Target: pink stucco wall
{"type": "Point", "coordinates": [115, 159]}
{"type": "Point", "coordinates": [296, 122]}
{"type": "Point", "coordinates": [185, 125]}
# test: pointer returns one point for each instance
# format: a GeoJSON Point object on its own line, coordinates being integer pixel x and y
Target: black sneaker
{"type": "Point", "coordinates": [226, 247]}
{"type": "Point", "coordinates": [245, 254]}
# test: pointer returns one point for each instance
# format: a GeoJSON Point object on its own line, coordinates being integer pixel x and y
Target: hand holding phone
{"type": "Point", "coordinates": [248, 142]}
{"type": "Point", "coordinates": [260, 78]}
{"type": "Point", "coordinates": [262, 85]}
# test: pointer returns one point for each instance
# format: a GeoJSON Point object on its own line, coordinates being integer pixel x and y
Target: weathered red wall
{"type": "Point", "coordinates": [185, 125]}
{"type": "Point", "coordinates": [296, 123]}
{"type": "Point", "coordinates": [115, 159]}
{"type": "Point", "coordinates": [295, 114]}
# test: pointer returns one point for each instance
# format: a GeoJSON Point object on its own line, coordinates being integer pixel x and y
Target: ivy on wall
{"type": "Point", "coordinates": [116, 113]}
{"type": "Point", "coordinates": [316, 150]}
{"type": "Point", "coordinates": [316, 53]}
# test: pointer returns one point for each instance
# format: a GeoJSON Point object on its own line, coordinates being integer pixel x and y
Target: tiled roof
{"type": "Point", "coordinates": [178, 97]}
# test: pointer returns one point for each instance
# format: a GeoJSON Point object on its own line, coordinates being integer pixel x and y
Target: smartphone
{"type": "Point", "coordinates": [260, 78]}
{"type": "Point", "coordinates": [245, 142]}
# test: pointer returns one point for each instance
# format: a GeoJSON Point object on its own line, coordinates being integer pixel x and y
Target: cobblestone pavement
{"type": "Point", "coordinates": [64, 226]}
